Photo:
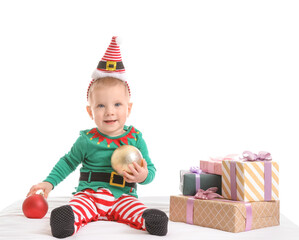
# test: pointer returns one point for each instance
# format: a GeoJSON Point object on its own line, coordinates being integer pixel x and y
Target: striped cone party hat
{"type": "Point", "coordinates": [111, 64]}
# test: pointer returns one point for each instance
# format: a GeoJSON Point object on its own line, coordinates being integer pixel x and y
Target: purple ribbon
{"type": "Point", "coordinates": [190, 207]}
{"type": "Point", "coordinates": [248, 222]}
{"type": "Point", "coordinates": [268, 181]}
{"type": "Point", "coordinates": [233, 179]}
{"type": "Point", "coordinates": [197, 172]}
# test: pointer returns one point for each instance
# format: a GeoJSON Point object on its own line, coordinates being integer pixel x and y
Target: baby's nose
{"type": "Point", "coordinates": [109, 111]}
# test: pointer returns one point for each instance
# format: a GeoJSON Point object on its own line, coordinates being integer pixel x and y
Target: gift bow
{"type": "Point", "coordinates": [261, 156]}
{"type": "Point", "coordinates": [195, 170]}
{"type": "Point", "coordinates": [208, 194]}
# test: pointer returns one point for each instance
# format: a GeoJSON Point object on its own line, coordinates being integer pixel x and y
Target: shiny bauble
{"type": "Point", "coordinates": [35, 206]}
{"type": "Point", "coordinates": [123, 156]}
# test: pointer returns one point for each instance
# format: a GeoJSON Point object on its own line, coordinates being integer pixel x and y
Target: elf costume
{"type": "Point", "coordinates": [93, 150]}
{"type": "Point", "coordinates": [102, 194]}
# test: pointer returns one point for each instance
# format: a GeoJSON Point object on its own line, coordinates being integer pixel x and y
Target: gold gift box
{"type": "Point", "coordinates": [225, 215]}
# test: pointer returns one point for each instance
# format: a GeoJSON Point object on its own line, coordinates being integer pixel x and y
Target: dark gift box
{"type": "Point", "coordinates": [190, 182]}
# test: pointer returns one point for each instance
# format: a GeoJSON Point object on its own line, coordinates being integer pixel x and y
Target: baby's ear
{"type": "Point", "coordinates": [129, 108]}
{"type": "Point", "coordinates": [89, 111]}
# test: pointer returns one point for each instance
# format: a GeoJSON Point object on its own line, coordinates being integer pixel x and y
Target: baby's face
{"type": "Point", "coordinates": [110, 108]}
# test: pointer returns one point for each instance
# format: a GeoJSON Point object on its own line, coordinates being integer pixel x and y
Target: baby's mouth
{"type": "Point", "coordinates": [110, 121]}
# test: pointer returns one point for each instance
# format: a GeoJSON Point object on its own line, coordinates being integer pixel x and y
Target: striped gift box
{"type": "Point", "coordinates": [250, 181]}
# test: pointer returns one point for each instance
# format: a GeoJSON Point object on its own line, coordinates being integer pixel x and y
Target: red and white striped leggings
{"type": "Point", "coordinates": [90, 205]}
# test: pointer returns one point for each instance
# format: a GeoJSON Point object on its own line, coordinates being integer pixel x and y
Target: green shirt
{"type": "Point", "coordinates": [93, 151]}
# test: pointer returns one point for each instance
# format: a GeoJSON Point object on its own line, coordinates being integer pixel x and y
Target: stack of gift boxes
{"type": "Point", "coordinates": [248, 193]}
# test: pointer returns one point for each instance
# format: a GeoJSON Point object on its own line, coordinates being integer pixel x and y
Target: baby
{"type": "Point", "coordinates": [102, 194]}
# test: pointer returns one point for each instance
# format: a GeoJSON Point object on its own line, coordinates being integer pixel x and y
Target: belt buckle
{"type": "Point", "coordinates": [110, 66]}
{"type": "Point", "coordinates": [116, 184]}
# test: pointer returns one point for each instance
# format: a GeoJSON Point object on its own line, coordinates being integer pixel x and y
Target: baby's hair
{"type": "Point", "coordinates": [106, 81]}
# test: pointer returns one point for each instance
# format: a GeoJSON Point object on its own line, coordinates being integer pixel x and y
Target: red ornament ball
{"type": "Point", "coordinates": [35, 206]}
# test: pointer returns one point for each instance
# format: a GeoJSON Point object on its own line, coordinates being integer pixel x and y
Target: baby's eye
{"type": "Point", "coordinates": [117, 104]}
{"type": "Point", "coordinates": [101, 106]}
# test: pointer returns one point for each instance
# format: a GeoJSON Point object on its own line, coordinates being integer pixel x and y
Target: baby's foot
{"type": "Point", "coordinates": [62, 221]}
{"type": "Point", "coordinates": [156, 221]}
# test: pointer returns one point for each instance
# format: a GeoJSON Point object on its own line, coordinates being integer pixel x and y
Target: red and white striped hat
{"type": "Point", "coordinates": [111, 64]}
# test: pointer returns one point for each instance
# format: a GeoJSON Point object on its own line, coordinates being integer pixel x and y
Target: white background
{"type": "Point", "coordinates": [208, 78]}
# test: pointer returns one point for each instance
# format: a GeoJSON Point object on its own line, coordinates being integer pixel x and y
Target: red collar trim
{"type": "Point", "coordinates": [124, 139]}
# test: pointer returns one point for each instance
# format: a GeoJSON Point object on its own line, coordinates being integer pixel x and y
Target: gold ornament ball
{"type": "Point", "coordinates": [123, 156]}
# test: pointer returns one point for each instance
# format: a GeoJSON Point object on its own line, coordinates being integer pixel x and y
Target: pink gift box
{"type": "Point", "coordinates": [214, 165]}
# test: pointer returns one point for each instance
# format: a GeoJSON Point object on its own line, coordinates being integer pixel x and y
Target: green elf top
{"type": "Point", "coordinates": [93, 150]}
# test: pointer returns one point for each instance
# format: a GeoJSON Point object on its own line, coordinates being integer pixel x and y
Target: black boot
{"type": "Point", "coordinates": [62, 221]}
{"type": "Point", "coordinates": [156, 222]}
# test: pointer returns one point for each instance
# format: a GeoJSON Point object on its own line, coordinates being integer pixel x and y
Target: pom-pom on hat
{"type": "Point", "coordinates": [111, 64]}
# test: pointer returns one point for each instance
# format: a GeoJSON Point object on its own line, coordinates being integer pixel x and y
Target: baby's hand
{"type": "Point", "coordinates": [138, 175]}
{"type": "Point", "coordinates": [45, 186]}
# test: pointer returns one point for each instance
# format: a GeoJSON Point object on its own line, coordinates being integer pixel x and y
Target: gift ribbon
{"type": "Point", "coordinates": [190, 208]}
{"type": "Point", "coordinates": [197, 173]}
{"type": "Point", "coordinates": [252, 157]}
{"type": "Point", "coordinates": [248, 221]}
{"type": "Point", "coordinates": [268, 181]}
{"type": "Point", "coordinates": [233, 178]}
